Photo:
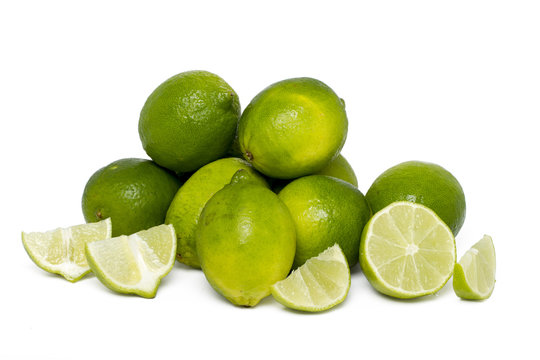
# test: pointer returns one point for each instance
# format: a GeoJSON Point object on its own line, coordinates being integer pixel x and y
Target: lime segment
{"type": "Point", "coordinates": [134, 264]}
{"type": "Point", "coordinates": [320, 284]}
{"type": "Point", "coordinates": [407, 251]}
{"type": "Point", "coordinates": [474, 275]}
{"type": "Point", "coordinates": [61, 251]}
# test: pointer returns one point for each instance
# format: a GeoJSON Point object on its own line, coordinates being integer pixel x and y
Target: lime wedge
{"type": "Point", "coordinates": [320, 284]}
{"type": "Point", "coordinates": [134, 264]}
{"type": "Point", "coordinates": [474, 275]}
{"type": "Point", "coordinates": [407, 251]}
{"type": "Point", "coordinates": [61, 251]}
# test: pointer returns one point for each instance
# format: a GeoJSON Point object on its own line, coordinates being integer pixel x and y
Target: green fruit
{"type": "Point", "coordinates": [134, 264]}
{"type": "Point", "coordinates": [338, 168]}
{"type": "Point", "coordinates": [189, 201]}
{"type": "Point", "coordinates": [293, 128]}
{"type": "Point", "coordinates": [189, 121]}
{"type": "Point", "coordinates": [341, 169]}
{"type": "Point", "coordinates": [245, 242]}
{"type": "Point", "coordinates": [134, 193]}
{"type": "Point", "coordinates": [61, 251]}
{"type": "Point", "coordinates": [424, 183]}
{"type": "Point", "coordinates": [474, 274]}
{"type": "Point", "coordinates": [325, 211]}
{"type": "Point", "coordinates": [320, 284]}
{"type": "Point", "coordinates": [407, 251]}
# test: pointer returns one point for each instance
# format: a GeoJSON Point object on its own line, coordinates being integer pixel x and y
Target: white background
{"type": "Point", "coordinates": [454, 82]}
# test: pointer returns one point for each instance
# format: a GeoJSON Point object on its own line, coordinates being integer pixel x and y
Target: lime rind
{"type": "Point", "coordinates": [474, 274]}
{"type": "Point", "coordinates": [61, 251]}
{"type": "Point", "coordinates": [321, 283]}
{"type": "Point", "coordinates": [411, 238]}
{"type": "Point", "coordinates": [134, 264]}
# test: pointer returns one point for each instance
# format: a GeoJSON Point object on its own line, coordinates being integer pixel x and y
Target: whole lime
{"type": "Point", "coordinates": [341, 169]}
{"type": "Point", "coordinates": [189, 121]}
{"type": "Point", "coordinates": [338, 168]}
{"type": "Point", "coordinates": [134, 193]}
{"type": "Point", "coordinates": [424, 183]}
{"type": "Point", "coordinates": [245, 242]}
{"type": "Point", "coordinates": [293, 128]}
{"type": "Point", "coordinates": [325, 211]}
{"type": "Point", "coordinates": [189, 201]}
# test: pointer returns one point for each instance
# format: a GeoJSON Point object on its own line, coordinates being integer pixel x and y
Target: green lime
{"type": "Point", "coordinates": [189, 121]}
{"type": "Point", "coordinates": [424, 183]}
{"type": "Point", "coordinates": [189, 201]}
{"type": "Point", "coordinates": [61, 251]}
{"type": "Point", "coordinates": [338, 168]}
{"type": "Point", "coordinates": [320, 284]}
{"type": "Point", "coordinates": [245, 242]}
{"type": "Point", "coordinates": [325, 211]}
{"type": "Point", "coordinates": [293, 128]}
{"type": "Point", "coordinates": [134, 193]}
{"type": "Point", "coordinates": [134, 264]}
{"type": "Point", "coordinates": [474, 275]}
{"type": "Point", "coordinates": [341, 169]}
{"type": "Point", "coordinates": [407, 251]}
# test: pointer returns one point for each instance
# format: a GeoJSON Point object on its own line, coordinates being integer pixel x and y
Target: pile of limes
{"type": "Point", "coordinates": [263, 202]}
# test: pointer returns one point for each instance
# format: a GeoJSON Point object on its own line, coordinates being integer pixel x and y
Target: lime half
{"type": "Point", "coordinates": [407, 251]}
{"type": "Point", "coordinates": [474, 275]}
{"type": "Point", "coordinates": [134, 264]}
{"type": "Point", "coordinates": [61, 251]}
{"type": "Point", "coordinates": [320, 284]}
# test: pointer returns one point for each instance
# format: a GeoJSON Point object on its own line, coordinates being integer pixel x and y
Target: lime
{"type": "Point", "coordinates": [341, 169]}
{"type": "Point", "coordinates": [338, 168]}
{"type": "Point", "coordinates": [292, 128]}
{"type": "Point", "coordinates": [474, 275]}
{"type": "Point", "coordinates": [424, 183]}
{"type": "Point", "coordinates": [245, 242]}
{"type": "Point", "coordinates": [189, 121]}
{"type": "Point", "coordinates": [325, 211]}
{"type": "Point", "coordinates": [134, 264]}
{"type": "Point", "coordinates": [134, 193]}
{"type": "Point", "coordinates": [61, 251]}
{"type": "Point", "coordinates": [407, 251]}
{"type": "Point", "coordinates": [189, 202]}
{"type": "Point", "coordinates": [320, 284]}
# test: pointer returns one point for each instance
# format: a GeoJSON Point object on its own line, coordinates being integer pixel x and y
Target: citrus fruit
{"type": "Point", "coordinates": [341, 169]}
{"type": "Point", "coordinates": [245, 242]}
{"type": "Point", "coordinates": [189, 201]}
{"type": "Point", "coordinates": [325, 211]}
{"type": "Point", "coordinates": [292, 128]}
{"type": "Point", "coordinates": [338, 168]}
{"type": "Point", "coordinates": [320, 284]}
{"type": "Point", "coordinates": [474, 274]}
{"type": "Point", "coordinates": [407, 251]}
{"type": "Point", "coordinates": [134, 264]}
{"type": "Point", "coordinates": [189, 120]}
{"type": "Point", "coordinates": [134, 193]}
{"type": "Point", "coordinates": [61, 251]}
{"type": "Point", "coordinates": [424, 183]}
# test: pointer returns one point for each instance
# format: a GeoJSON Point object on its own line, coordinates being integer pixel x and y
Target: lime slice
{"type": "Point", "coordinates": [407, 251]}
{"type": "Point", "coordinates": [61, 251]}
{"type": "Point", "coordinates": [320, 284]}
{"type": "Point", "coordinates": [474, 275]}
{"type": "Point", "coordinates": [134, 264]}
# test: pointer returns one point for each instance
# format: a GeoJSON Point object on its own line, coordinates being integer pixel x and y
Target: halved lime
{"type": "Point", "coordinates": [134, 264]}
{"type": "Point", "coordinates": [407, 251]}
{"type": "Point", "coordinates": [474, 275]}
{"type": "Point", "coordinates": [320, 284]}
{"type": "Point", "coordinates": [61, 251]}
